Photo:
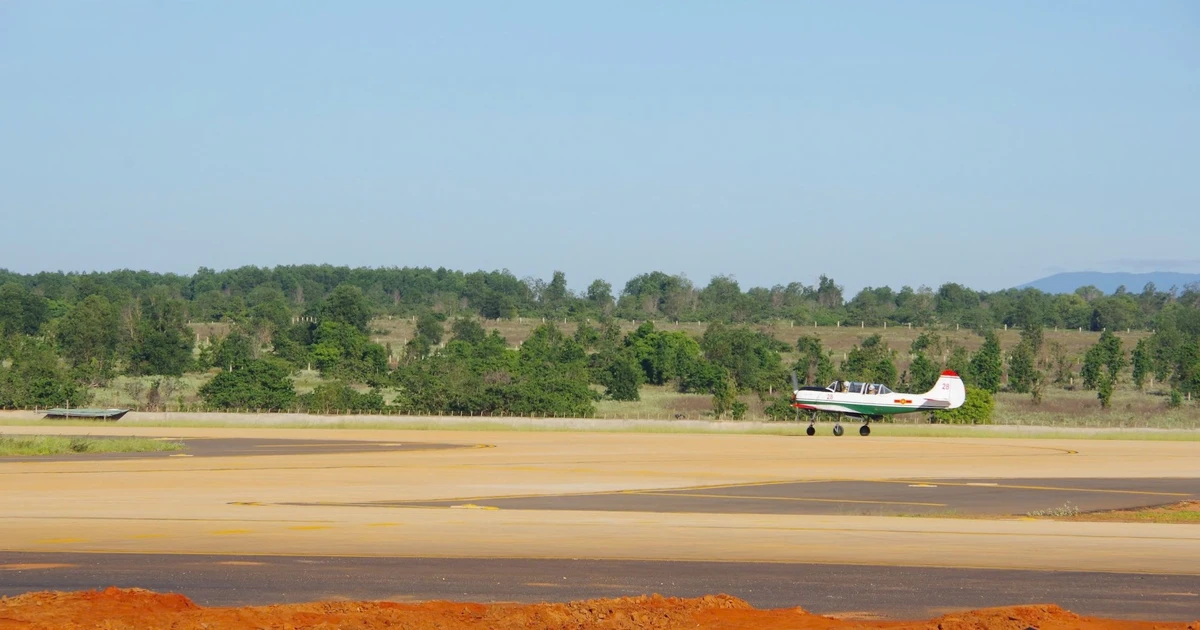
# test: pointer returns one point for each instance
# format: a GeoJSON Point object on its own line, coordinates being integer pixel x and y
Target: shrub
{"type": "Point", "coordinates": [977, 409]}
{"type": "Point", "coordinates": [260, 384]}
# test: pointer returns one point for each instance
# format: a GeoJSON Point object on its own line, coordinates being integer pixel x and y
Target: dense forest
{"type": "Point", "coordinates": [63, 333]}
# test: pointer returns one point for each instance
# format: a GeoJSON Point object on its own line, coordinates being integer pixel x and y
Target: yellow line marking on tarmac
{"type": "Point", "coordinates": [802, 499]}
{"type": "Point", "coordinates": [230, 532]}
{"type": "Point", "coordinates": [180, 455]}
{"type": "Point", "coordinates": [331, 444]}
{"type": "Point", "coordinates": [304, 528]}
{"type": "Point", "coordinates": [59, 541]}
{"type": "Point", "coordinates": [31, 566]}
{"type": "Point", "coordinates": [472, 506]}
{"type": "Point", "coordinates": [921, 485]}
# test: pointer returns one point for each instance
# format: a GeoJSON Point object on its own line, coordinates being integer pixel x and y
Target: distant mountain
{"type": "Point", "coordinates": [1108, 282]}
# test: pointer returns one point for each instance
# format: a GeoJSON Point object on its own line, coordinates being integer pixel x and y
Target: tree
{"type": "Point", "coordinates": [259, 384]}
{"type": "Point", "coordinates": [871, 362]}
{"type": "Point", "coordinates": [555, 295]}
{"type": "Point", "coordinates": [21, 312]}
{"type": "Point", "coordinates": [234, 351]}
{"type": "Point", "coordinates": [1063, 362]}
{"type": "Point", "coordinates": [923, 373]}
{"type": "Point", "coordinates": [663, 356]}
{"type": "Point", "coordinates": [88, 335]}
{"type": "Point", "coordinates": [987, 365]}
{"type": "Point", "coordinates": [1104, 390]}
{"type": "Point", "coordinates": [347, 305]}
{"type": "Point", "coordinates": [1142, 363]}
{"type": "Point", "coordinates": [751, 357]}
{"type": "Point", "coordinates": [829, 294]}
{"type": "Point", "coordinates": [160, 341]}
{"type": "Point", "coordinates": [959, 362]}
{"type": "Point", "coordinates": [340, 397]}
{"type": "Point", "coordinates": [467, 330]}
{"type": "Point", "coordinates": [1106, 354]}
{"type": "Point", "coordinates": [599, 294]}
{"type": "Point", "coordinates": [342, 351]}
{"type": "Point", "coordinates": [724, 394]}
{"type": "Point", "coordinates": [1022, 373]}
{"type": "Point", "coordinates": [813, 365]}
{"type": "Point", "coordinates": [621, 376]}
{"type": "Point", "coordinates": [429, 329]}
{"type": "Point", "coordinates": [35, 379]}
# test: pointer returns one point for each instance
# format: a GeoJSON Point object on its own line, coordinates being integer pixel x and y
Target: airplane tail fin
{"type": "Point", "coordinates": [949, 388]}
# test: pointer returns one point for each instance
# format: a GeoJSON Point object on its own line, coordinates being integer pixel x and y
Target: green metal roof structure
{"type": "Point", "coordinates": [103, 414]}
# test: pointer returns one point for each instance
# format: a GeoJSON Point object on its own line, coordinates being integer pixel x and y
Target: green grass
{"type": "Point", "coordinates": [66, 445]}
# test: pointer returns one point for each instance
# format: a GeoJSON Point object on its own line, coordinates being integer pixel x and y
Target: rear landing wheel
{"type": "Point", "coordinates": [864, 430]}
{"type": "Point", "coordinates": [837, 429]}
{"type": "Point", "coordinates": [811, 430]}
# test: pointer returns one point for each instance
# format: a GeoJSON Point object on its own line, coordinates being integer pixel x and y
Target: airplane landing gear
{"type": "Point", "coordinates": [811, 430]}
{"type": "Point", "coordinates": [864, 430]}
{"type": "Point", "coordinates": [837, 429]}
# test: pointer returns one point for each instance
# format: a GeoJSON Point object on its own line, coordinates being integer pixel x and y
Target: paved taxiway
{"type": "Point", "coordinates": [893, 592]}
{"type": "Point", "coordinates": [890, 497]}
{"type": "Point", "coordinates": [434, 505]}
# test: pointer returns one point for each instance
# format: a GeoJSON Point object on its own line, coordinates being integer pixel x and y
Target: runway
{"type": "Point", "coordinates": [888, 526]}
{"type": "Point", "coordinates": [890, 497]}
{"type": "Point", "coordinates": [843, 590]}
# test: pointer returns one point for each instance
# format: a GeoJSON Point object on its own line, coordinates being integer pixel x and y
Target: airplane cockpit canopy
{"type": "Point", "coordinates": [854, 387]}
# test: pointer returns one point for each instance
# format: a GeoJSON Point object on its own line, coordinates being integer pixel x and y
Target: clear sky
{"type": "Point", "coordinates": [988, 143]}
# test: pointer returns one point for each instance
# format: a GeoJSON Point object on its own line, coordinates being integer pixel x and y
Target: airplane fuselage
{"type": "Point", "coordinates": [868, 405]}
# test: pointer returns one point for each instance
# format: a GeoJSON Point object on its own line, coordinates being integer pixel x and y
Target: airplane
{"type": "Point", "coordinates": [874, 401]}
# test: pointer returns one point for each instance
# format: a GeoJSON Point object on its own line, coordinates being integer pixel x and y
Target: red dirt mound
{"type": "Point", "coordinates": [126, 609]}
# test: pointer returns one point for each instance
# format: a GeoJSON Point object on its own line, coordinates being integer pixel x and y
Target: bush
{"type": "Point", "coordinates": [738, 410]}
{"type": "Point", "coordinates": [977, 409]}
{"type": "Point", "coordinates": [1176, 399]}
{"type": "Point", "coordinates": [260, 384]}
{"type": "Point", "coordinates": [1104, 391]}
{"type": "Point", "coordinates": [781, 408]}
{"type": "Point", "coordinates": [338, 396]}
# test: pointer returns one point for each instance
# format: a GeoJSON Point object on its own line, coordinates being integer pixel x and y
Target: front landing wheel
{"type": "Point", "coordinates": [864, 430]}
{"type": "Point", "coordinates": [837, 429]}
{"type": "Point", "coordinates": [811, 430]}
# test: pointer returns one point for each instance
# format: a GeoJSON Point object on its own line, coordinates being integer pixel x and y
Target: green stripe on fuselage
{"type": "Point", "coordinates": [864, 409]}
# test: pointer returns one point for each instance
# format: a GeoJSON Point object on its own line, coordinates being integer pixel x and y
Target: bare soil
{"type": "Point", "coordinates": [121, 609]}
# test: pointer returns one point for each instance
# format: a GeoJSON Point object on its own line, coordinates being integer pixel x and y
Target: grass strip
{"type": "Point", "coordinates": [32, 445]}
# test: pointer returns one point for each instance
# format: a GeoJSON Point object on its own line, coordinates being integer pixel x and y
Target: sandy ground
{"type": "Point", "coordinates": [114, 609]}
{"type": "Point", "coordinates": [240, 505]}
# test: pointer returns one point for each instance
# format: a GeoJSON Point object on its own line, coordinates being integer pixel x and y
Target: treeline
{"type": "Point", "coordinates": [237, 295]}
{"type": "Point", "coordinates": [54, 346]}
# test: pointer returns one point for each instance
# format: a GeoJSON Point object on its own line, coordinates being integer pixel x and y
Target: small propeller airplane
{"type": "Point", "coordinates": [874, 400]}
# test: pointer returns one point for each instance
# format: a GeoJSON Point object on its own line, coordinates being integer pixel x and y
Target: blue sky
{"type": "Point", "coordinates": [988, 143]}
